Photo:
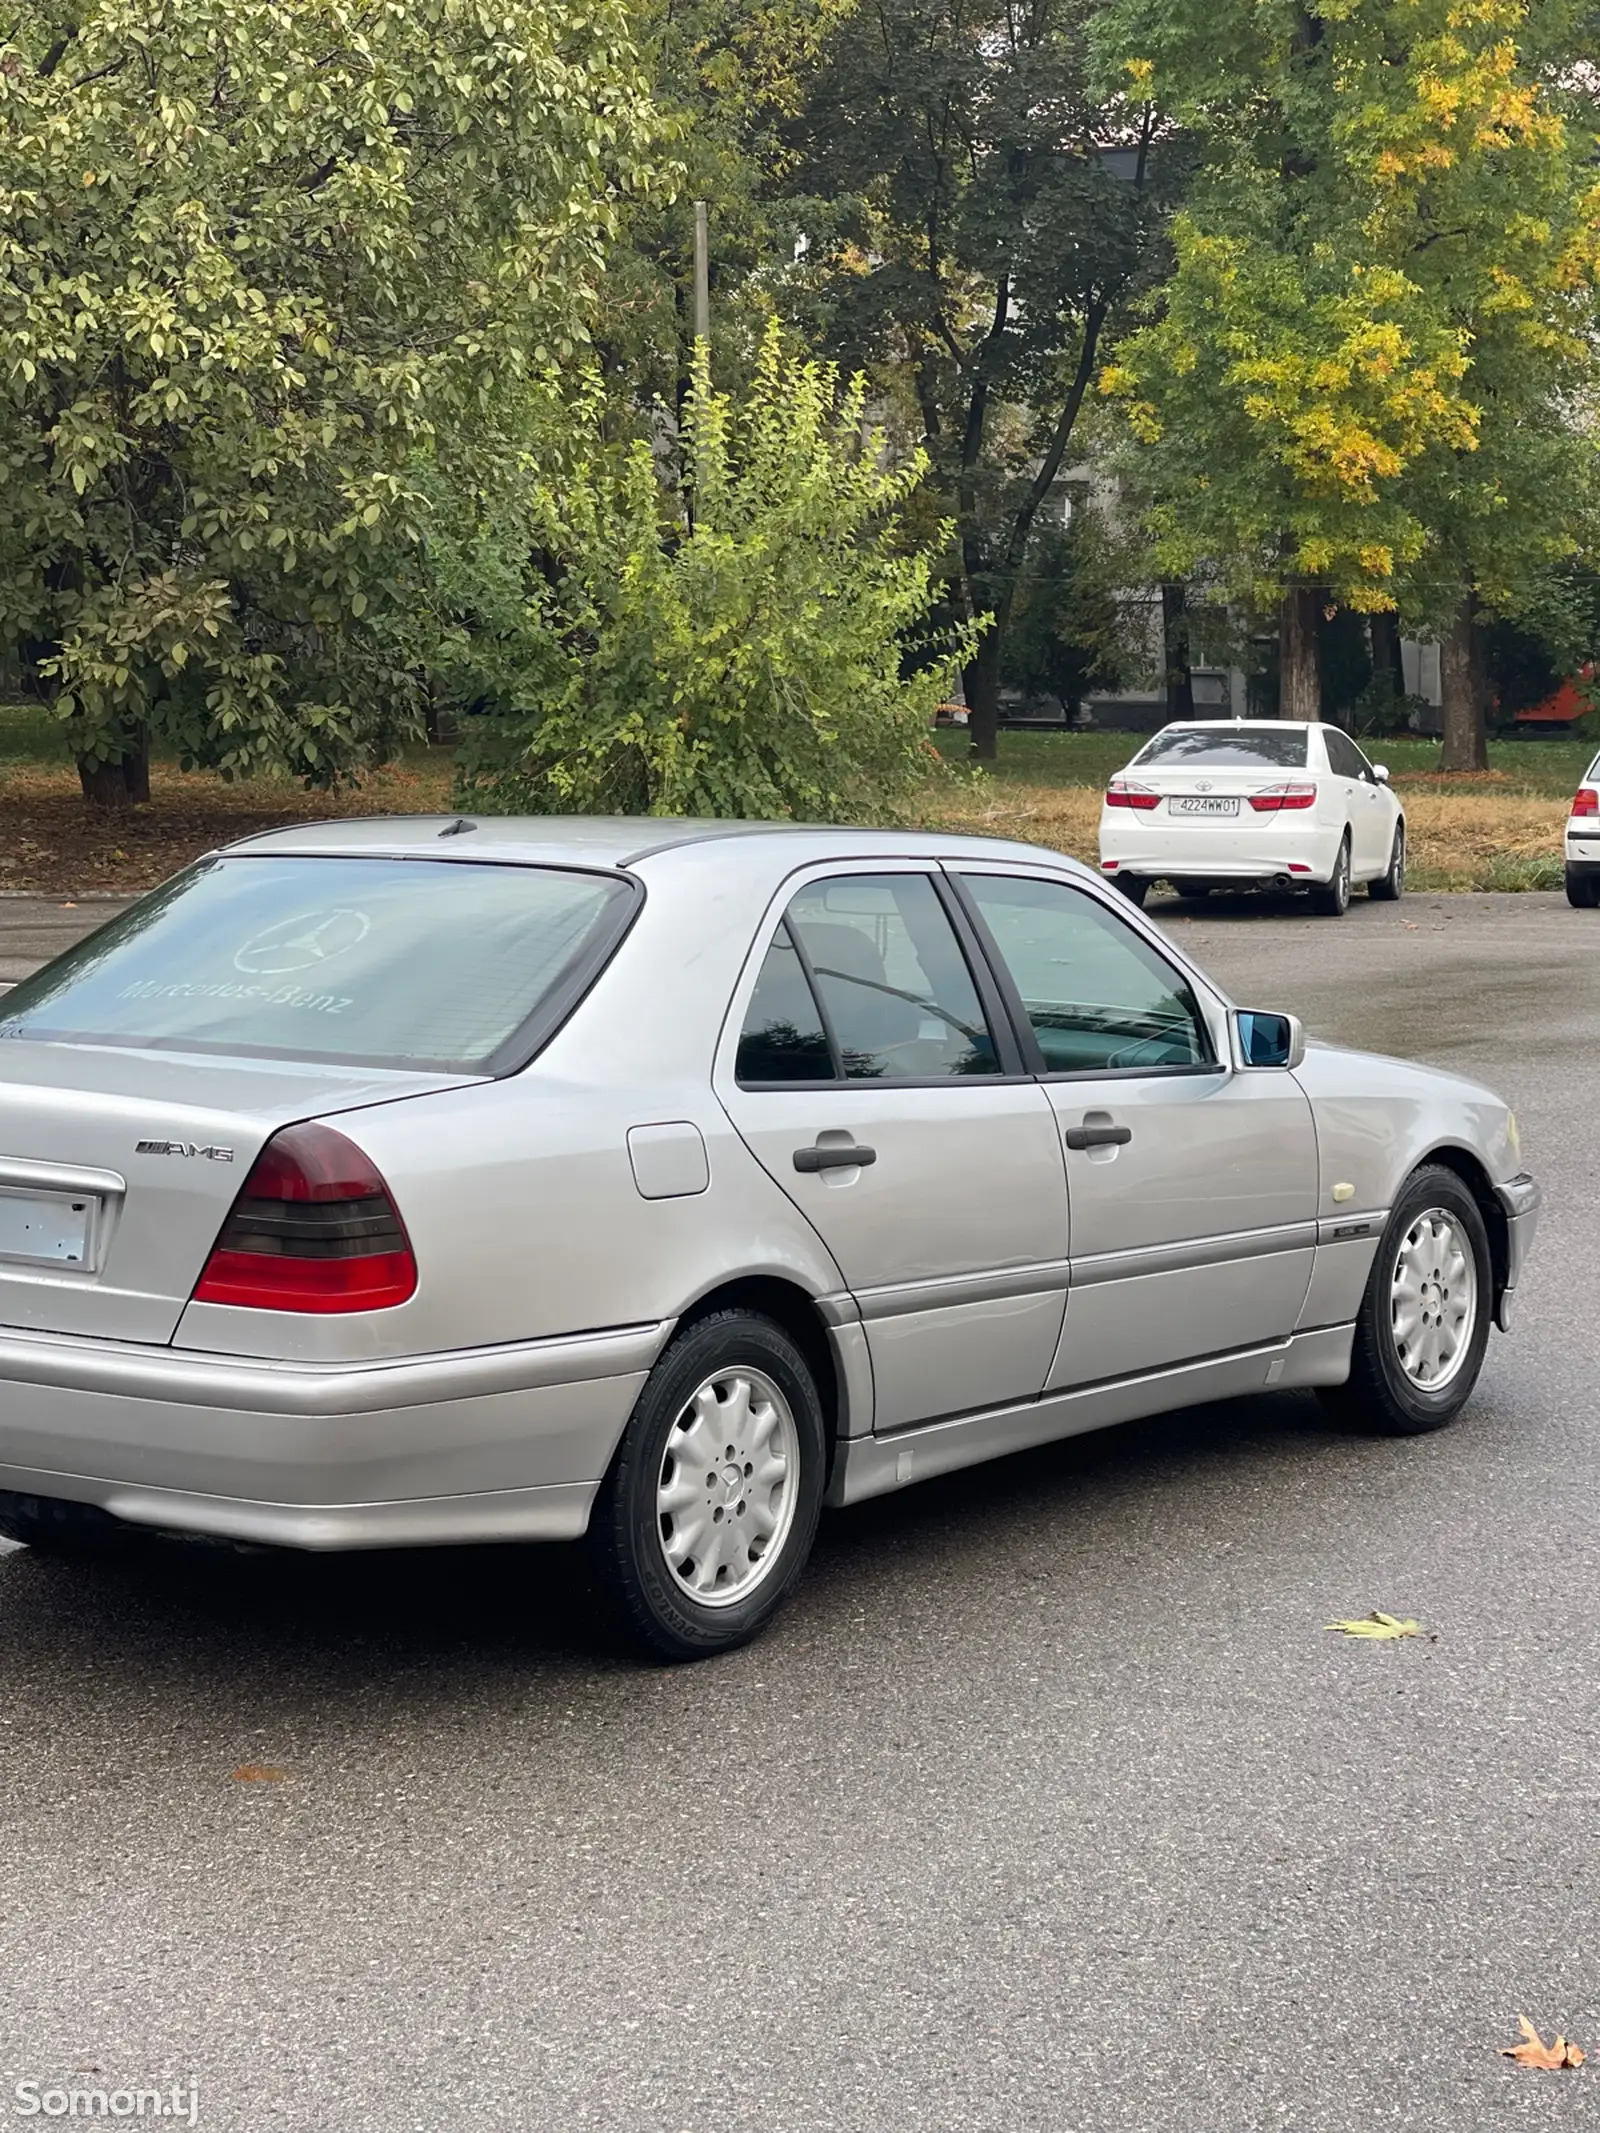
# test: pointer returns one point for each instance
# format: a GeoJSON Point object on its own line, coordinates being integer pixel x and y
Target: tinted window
{"type": "Point", "coordinates": [1236, 747]}
{"type": "Point", "coordinates": [1344, 757]}
{"type": "Point", "coordinates": [379, 962]}
{"type": "Point", "coordinates": [1099, 998]}
{"type": "Point", "coordinates": [894, 985]}
{"type": "Point", "coordinates": [783, 1037]}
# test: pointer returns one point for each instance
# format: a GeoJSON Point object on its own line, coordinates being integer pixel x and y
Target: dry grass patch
{"type": "Point", "coordinates": [1484, 840]}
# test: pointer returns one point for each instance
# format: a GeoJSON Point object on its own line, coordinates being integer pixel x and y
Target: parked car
{"type": "Point", "coordinates": [404, 1181]}
{"type": "Point", "coordinates": [1582, 842]}
{"type": "Point", "coordinates": [1250, 804]}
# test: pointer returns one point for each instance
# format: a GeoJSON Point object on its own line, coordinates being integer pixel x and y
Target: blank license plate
{"type": "Point", "coordinates": [47, 1228]}
{"type": "Point", "coordinates": [1203, 805]}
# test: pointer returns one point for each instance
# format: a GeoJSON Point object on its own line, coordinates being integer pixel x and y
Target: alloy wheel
{"type": "Point", "coordinates": [729, 1480]}
{"type": "Point", "coordinates": [1433, 1299]}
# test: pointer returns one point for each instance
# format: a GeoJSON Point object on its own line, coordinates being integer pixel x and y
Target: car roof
{"type": "Point", "coordinates": [614, 841]}
{"type": "Point", "coordinates": [1232, 725]}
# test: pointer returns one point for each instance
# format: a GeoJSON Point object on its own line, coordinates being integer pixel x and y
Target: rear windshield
{"type": "Point", "coordinates": [370, 962]}
{"type": "Point", "coordinates": [1243, 748]}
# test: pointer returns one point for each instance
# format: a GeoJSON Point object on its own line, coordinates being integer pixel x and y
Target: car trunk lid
{"type": "Point", "coordinates": [118, 1168]}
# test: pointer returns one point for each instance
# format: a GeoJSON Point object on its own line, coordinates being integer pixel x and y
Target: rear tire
{"type": "Point", "coordinates": [705, 1521]}
{"type": "Point", "coordinates": [1331, 899]}
{"type": "Point", "coordinates": [1583, 890]}
{"type": "Point", "coordinates": [1133, 888]}
{"type": "Point", "coordinates": [1390, 887]}
{"type": "Point", "coordinates": [53, 1526]}
{"type": "Point", "coordinates": [1433, 1263]}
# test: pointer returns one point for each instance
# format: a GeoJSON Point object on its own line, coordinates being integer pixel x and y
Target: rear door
{"type": "Point", "coordinates": [1371, 822]}
{"type": "Point", "coordinates": [869, 1068]}
{"type": "Point", "coordinates": [1192, 1188]}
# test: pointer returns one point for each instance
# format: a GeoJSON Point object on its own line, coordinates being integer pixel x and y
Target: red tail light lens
{"type": "Point", "coordinates": [313, 1229]}
{"type": "Point", "coordinates": [1127, 792]}
{"type": "Point", "coordinates": [1586, 801]}
{"type": "Point", "coordinates": [1273, 798]}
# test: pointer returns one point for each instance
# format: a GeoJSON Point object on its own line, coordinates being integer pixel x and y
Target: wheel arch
{"type": "Point", "coordinates": [788, 1305]}
{"type": "Point", "coordinates": [1469, 1167]}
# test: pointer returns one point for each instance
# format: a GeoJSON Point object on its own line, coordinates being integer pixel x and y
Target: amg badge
{"type": "Point", "coordinates": [212, 1154]}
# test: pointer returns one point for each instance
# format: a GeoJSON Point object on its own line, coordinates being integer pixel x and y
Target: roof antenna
{"type": "Point", "coordinates": [459, 828]}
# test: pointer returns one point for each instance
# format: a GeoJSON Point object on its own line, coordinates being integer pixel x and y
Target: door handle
{"type": "Point", "coordinates": [835, 1155]}
{"type": "Point", "coordinates": [1098, 1136]}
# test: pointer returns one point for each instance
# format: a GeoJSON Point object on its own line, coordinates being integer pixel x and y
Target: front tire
{"type": "Point", "coordinates": [708, 1514]}
{"type": "Point", "coordinates": [1424, 1320]}
{"type": "Point", "coordinates": [1583, 890]}
{"type": "Point", "coordinates": [1390, 887]}
{"type": "Point", "coordinates": [1193, 890]}
{"type": "Point", "coordinates": [1331, 899]}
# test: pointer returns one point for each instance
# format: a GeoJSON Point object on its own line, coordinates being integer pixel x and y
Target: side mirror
{"type": "Point", "coordinates": [1381, 772]}
{"type": "Point", "coordinates": [1268, 1040]}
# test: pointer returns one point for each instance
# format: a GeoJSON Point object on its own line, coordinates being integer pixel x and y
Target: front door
{"type": "Point", "coordinates": [1192, 1186]}
{"type": "Point", "coordinates": [868, 1033]}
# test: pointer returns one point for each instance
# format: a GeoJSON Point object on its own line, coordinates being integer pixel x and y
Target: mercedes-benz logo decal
{"type": "Point", "coordinates": [303, 943]}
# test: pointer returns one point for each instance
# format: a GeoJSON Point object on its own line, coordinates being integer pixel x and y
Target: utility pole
{"type": "Point", "coordinates": [702, 274]}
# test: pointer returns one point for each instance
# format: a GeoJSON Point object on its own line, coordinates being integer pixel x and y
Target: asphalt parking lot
{"type": "Point", "coordinates": [1049, 1807]}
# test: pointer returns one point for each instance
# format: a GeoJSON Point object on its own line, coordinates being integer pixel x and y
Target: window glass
{"type": "Point", "coordinates": [1099, 998]}
{"type": "Point", "coordinates": [783, 1038]}
{"type": "Point", "coordinates": [1344, 757]}
{"type": "Point", "coordinates": [378, 962]}
{"type": "Point", "coordinates": [893, 982]}
{"type": "Point", "coordinates": [1235, 747]}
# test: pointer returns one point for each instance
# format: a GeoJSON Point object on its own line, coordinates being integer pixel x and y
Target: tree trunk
{"type": "Point", "coordinates": [1386, 661]}
{"type": "Point", "coordinates": [1466, 742]}
{"type": "Point", "coordinates": [981, 680]}
{"type": "Point", "coordinates": [136, 767]}
{"type": "Point", "coordinates": [1299, 685]}
{"type": "Point", "coordinates": [125, 780]}
{"type": "Point", "coordinates": [1175, 651]}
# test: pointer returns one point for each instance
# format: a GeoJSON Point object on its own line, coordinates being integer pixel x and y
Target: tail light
{"type": "Point", "coordinates": [1586, 801]}
{"type": "Point", "coordinates": [1273, 798]}
{"type": "Point", "coordinates": [1127, 792]}
{"type": "Point", "coordinates": [313, 1229]}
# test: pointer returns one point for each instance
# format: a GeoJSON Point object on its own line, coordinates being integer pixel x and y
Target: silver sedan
{"type": "Point", "coordinates": [422, 1180]}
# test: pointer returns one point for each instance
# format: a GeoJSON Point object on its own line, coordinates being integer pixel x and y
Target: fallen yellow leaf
{"type": "Point", "coordinates": [1533, 2050]}
{"type": "Point", "coordinates": [1377, 1625]}
{"type": "Point", "coordinates": [259, 1774]}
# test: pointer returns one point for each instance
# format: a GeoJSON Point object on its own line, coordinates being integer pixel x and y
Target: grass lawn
{"type": "Point", "coordinates": [1498, 830]}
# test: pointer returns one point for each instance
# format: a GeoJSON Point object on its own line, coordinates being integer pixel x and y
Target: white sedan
{"type": "Point", "coordinates": [1582, 842]}
{"type": "Point", "coordinates": [1251, 804]}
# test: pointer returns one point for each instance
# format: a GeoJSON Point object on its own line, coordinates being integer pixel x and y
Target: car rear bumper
{"type": "Point", "coordinates": [488, 1444]}
{"type": "Point", "coordinates": [1214, 852]}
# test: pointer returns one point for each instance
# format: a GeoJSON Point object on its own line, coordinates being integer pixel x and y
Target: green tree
{"type": "Point", "coordinates": [977, 217]}
{"type": "Point", "coordinates": [727, 77]}
{"type": "Point", "coordinates": [731, 628]}
{"type": "Point", "coordinates": [259, 263]}
{"type": "Point", "coordinates": [1070, 631]}
{"type": "Point", "coordinates": [1360, 386]}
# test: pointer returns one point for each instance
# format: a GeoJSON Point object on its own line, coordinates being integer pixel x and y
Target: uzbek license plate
{"type": "Point", "coordinates": [1203, 804]}
{"type": "Point", "coordinates": [47, 1228]}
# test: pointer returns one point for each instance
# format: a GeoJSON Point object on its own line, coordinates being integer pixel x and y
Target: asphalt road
{"type": "Point", "coordinates": [1049, 1807]}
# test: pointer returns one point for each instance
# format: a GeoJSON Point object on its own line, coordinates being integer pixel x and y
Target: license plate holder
{"type": "Point", "coordinates": [1203, 804]}
{"type": "Point", "coordinates": [48, 1228]}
